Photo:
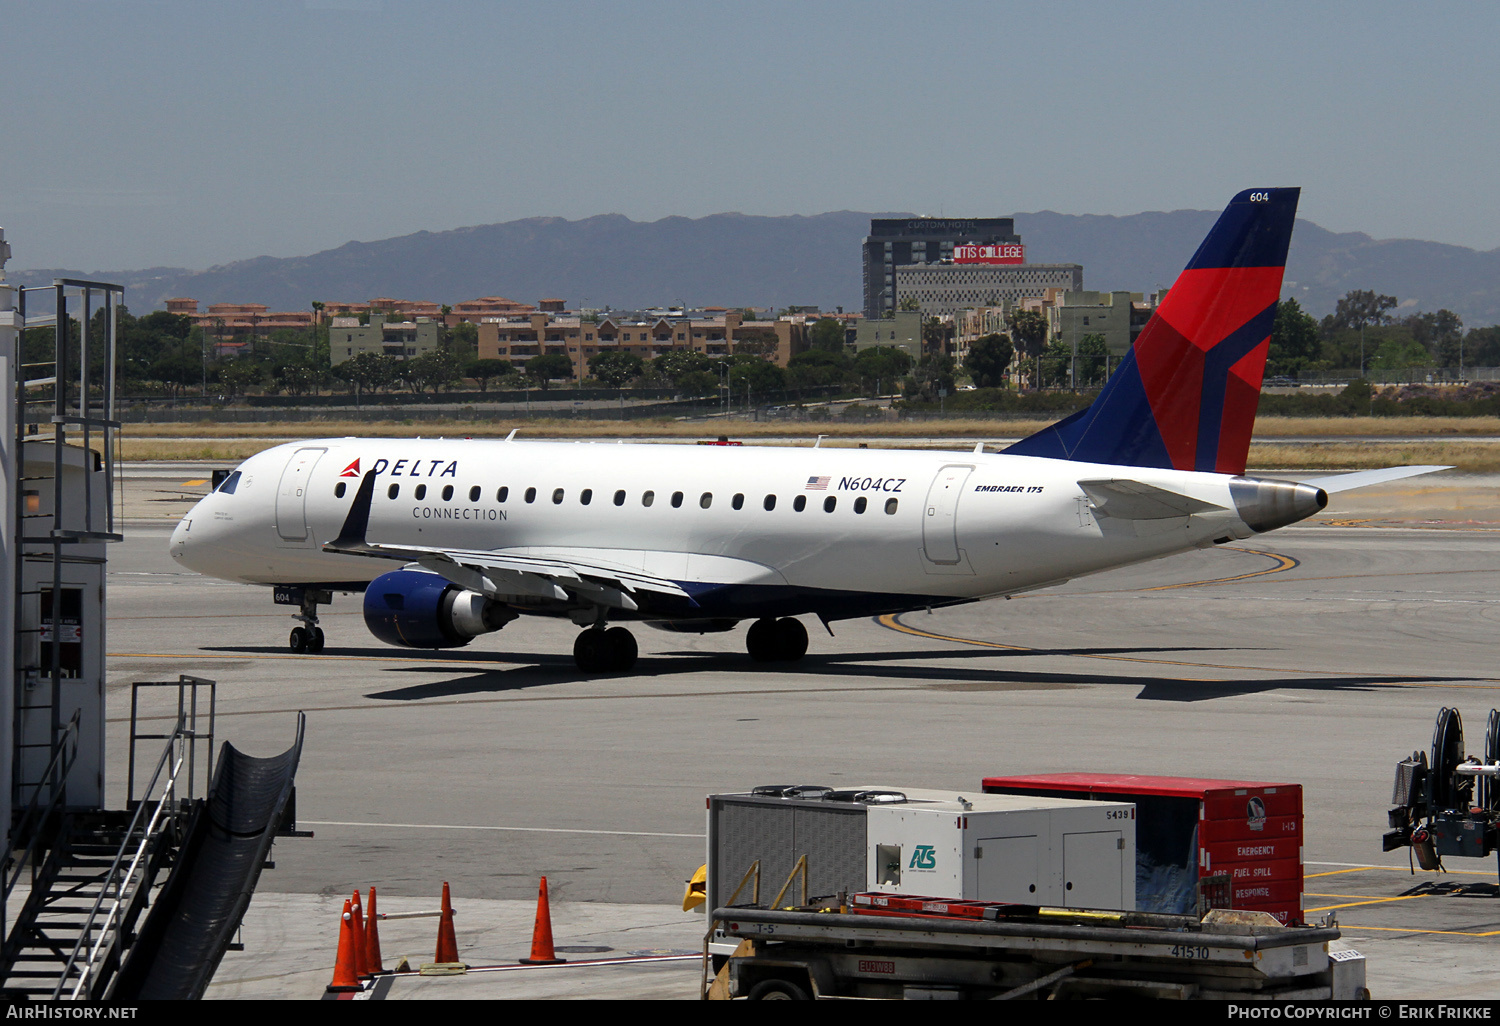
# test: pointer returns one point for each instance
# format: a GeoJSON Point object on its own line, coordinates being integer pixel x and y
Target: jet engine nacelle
{"type": "Point", "coordinates": [418, 609]}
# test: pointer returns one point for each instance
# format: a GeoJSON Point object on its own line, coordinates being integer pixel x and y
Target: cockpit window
{"type": "Point", "coordinates": [230, 483]}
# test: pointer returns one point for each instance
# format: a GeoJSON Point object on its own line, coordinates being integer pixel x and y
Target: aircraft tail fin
{"type": "Point", "coordinates": [1185, 396]}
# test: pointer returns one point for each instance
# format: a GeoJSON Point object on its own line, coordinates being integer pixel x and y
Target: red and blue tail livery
{"type": "Point", "coordinates": [1184, 398]}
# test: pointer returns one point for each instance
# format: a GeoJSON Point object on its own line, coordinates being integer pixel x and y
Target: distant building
{"type": "Point", "coordinates": [239, 322]}
{"type": "Point", "coordinates": [476, 310]}
{"type": "Point", "coordinates": [518, 339]}
{"type": "Point", "coordinates": [948, 288]}
{"type": "Point", "coordinates": [897, 241]}
{"type": "Point", "coordinates": [1118, 316]}
{"type": "Point", "coordinates": [974, 324]}
{"type": "Point", "coordinates": [384, 306]}
{"type": "Point", "coordinates": [404, 340]}
{"type": "Point", "coordinates": [413, 309]}
{"type": "Point", "coordinates": [902, 331]}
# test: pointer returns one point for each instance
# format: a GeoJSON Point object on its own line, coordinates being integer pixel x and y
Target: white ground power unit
{"type": "Point", "coordinates": [1011, 848]}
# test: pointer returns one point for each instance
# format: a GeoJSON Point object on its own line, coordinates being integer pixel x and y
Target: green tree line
{"type": "Point", "coordinates": [1364, 334]}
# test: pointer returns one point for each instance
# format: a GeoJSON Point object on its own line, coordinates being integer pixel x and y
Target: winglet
{"type": "Point", "coordinates": [352, 535]}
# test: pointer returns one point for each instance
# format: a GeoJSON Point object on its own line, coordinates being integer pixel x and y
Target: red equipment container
{"type": "Point", "coordinates": [1189, 830]}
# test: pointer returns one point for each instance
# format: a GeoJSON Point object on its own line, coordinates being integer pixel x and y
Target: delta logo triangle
{"type": "Point", "coordinates": [352, 470]}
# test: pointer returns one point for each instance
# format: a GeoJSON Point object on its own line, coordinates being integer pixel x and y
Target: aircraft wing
{"type": "Point", "coordinates": [1361, 478]}
{"type": "Point", "coordinates": [490, 572]}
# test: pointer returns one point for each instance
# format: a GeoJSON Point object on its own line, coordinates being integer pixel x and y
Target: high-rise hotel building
{"type": "Point", "coordinates": [894, 241]}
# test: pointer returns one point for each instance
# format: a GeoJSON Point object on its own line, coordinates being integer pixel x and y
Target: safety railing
{"type": "Point", "coordinates": [190, 710]}
{"type": "Point", "coordinates": [55, 777]}
{"type": "Point", "coordinates": [124, 876]}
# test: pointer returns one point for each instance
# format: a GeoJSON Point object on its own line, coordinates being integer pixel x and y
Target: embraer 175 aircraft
{"type": "Point", "coordinates": [699, 538]}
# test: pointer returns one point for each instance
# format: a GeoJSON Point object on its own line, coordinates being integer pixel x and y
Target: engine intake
{"type": "Point", "coordinates": [418, 609]}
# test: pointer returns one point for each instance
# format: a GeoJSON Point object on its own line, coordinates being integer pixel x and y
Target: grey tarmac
{"type": "Point", "coordinates": [1319, 654]}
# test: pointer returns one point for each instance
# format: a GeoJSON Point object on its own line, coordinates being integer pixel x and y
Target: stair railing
{"type": "Point", "coordinates": [31, 821]}
{"type": "Point", "coordinates": [120, 877]}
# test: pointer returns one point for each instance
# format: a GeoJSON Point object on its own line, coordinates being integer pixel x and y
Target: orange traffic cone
{"type": "Point", "coordinates": [542, 952]}
{"type": "Point", "coordinates": [447, 942]}
{"type": "Point", "coordinates": [344, 974]}
{"type": "Point", "coordinates": [361, 968]}
{"type": "Point", "coordinates": [372, 940]}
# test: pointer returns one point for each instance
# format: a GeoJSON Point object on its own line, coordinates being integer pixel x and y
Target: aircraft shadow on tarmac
{"type": "Point", "coordinates": [539, 670]}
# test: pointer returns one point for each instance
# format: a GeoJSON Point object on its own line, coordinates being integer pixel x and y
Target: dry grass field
{"type": "Point", "coordinates": [1343, 443]}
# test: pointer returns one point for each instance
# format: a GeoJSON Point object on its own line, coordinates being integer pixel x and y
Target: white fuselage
{"type": "Point", "coordinates": [933, 527]}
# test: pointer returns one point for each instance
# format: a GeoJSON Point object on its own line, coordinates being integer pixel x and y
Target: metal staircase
{"type": "Point", "coordinates": [93, 872]}
{"type": "Point", "coordinates": [82, 910]}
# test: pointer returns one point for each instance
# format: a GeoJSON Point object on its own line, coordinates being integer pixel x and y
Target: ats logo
{"type": "Point", "coordinates": [352, 470]}
{"type": "Point", "coordinates": [923, 856]}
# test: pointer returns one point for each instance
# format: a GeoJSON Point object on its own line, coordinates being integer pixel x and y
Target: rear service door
{"type": "Point", "coordinates": [1092, 868]}
{"type": "Point", "coordinates": [291, 495]}
{"type": "Point", "coordinates": [1008, 870]}
{"type": "Point", "coordinates": [940, 515]}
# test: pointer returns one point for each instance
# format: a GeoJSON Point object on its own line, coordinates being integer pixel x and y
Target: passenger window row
{"type": "Point", "coordinates": [585, 497]}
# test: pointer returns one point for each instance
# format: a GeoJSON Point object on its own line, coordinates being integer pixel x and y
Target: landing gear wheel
{"type": "Point", "coordinates": [604, 651]}
{"type": "Point", "coordinates": [309, 636]}
{"type": "Point", "coordinates": [776, 641]}
{"type": "Point", "coordinates": [589, 651]}
{"type": "Point", "coordinates": [622, 649]}
{"type": "Point", "coordinates": [791, 639]}
{"type": "Point", "coordinates": [760, 641]}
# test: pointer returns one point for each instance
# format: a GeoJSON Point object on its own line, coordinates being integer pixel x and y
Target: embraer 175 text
{"type": "Point", "coordinates": [699, 538]}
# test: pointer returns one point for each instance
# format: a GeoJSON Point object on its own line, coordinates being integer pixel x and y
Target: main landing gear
{"type": "Point", "coordinates": [308, 638]}
{"type": "Point", "coordinates": [776, 641]}
{"type": "Point", "coordinates": [599, 649]}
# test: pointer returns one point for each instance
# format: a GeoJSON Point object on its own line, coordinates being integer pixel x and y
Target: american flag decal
{"type": "Point", "coordinates": [817, 484]}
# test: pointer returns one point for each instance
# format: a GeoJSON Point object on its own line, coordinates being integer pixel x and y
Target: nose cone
{"type": "Point", "coordinates": [177, 547]}
{"type": "Point", "coordinates": [1266, 505]}
{"type": "Point", "coordinates": [190, 538]}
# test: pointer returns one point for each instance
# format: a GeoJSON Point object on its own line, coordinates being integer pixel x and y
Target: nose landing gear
{"type": "Point", "coordinates": [308, 638]}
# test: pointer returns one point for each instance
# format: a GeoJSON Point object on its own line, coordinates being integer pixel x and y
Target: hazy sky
{"type": "Point", "coordinates": [136, 133]}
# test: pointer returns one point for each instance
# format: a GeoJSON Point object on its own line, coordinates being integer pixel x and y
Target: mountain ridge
{"type": "Point", "coordinates": [736, 259]}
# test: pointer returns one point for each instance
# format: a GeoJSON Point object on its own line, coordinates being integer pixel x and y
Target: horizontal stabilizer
{"type": "Point", "coordinates": [1134, 500]}
{"type": "Point", "coordinates": [1359, 479]}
